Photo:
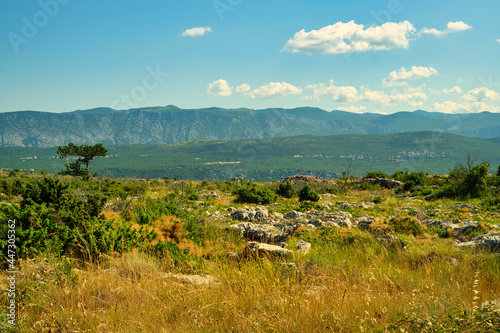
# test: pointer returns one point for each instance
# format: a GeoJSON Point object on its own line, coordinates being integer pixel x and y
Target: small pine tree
{"type": "Point", "coordinates": [308, 194]}
{"type": "Point", "coordinates": [286, 190]}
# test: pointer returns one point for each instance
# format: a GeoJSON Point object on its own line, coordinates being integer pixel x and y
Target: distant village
{"type": "Point", "coordinates": [403, 156]}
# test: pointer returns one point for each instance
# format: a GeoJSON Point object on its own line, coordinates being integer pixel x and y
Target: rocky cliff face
{"type": "Point", "coordinates": [167, 125]}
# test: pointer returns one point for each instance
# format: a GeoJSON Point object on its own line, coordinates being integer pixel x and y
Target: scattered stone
{"type": "Point", "coordinates": [392, 240]}
{"type": "Point", "coordinates": [430, 197]}
{"type": "Point", "coordinates": [387, 183]}
{"type": "Point", "coordinates": [304, 178]}
{"type": "Point", "coordinates": [233, 256]}
{"type": "Point", "coordinates": [343, 219]}
{"type": "Point", "coordinates": [303, 247]}
{"type": "Point", "coordinates": [255, 249]}
{"type": "Point", "coordinates": [492, 305]}
{"type": "Point", "coordinates": [421, 216]}
{"type": "Point", "coordinates": [250, 214]}
{"type": "Point", "coordinates": [265, 233]}
{"type": "Point", "coordinates": [293, 215]}
{"type": "Point", "coordinates": [364, 221]}
{"type": "Point", "coordinates": [196, 280]}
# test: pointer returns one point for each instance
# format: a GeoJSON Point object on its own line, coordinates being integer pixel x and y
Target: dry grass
{"type": "Point", "coordinates": [336, 290]}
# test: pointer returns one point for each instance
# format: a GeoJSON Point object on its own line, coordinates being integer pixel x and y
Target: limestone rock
{"type": "Point", "coordinates": [303, 247]}
{"type": "Point", "coordinates": [256, 249]}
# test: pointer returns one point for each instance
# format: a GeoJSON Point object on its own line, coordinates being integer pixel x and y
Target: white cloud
{"type": "Point", "coordinates": [352, 108]}
{"type": "Point", "coordinates": [399, 77]}
{"type": "Point", "coordinates": [456, 90]}
{"type": "Point", "coordinates": [197, 31]}
{"type": "Point", "coordinates": [332, 92]}
{"type": "Point", "coordinates": [273, 89]}
{"type": "Point", "coordinates": [375, 96]}
{"type": "Point", "coordinates": [498, 40]}
{"type": "Point", "coordinates": [451, 27]}
{"type": "Point", "coordinates": [480, 95]}
{"type": "Point", "coordinates": [242, 88]}
{"type": "Point", "coordinates": [219, 88]}
{"type": "Point", "coordinates": [454, 107]}
{"type": "Point", "coordinates": [351, 37]}
{"type": "Point", "coordinates": [471, 102]}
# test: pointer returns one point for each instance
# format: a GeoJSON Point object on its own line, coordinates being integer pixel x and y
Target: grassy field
{"type": "Point", "coordinates": [350, 281]}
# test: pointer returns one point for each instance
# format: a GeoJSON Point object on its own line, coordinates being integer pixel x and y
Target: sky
{"type": "Point", "coordinates": [359, 56]}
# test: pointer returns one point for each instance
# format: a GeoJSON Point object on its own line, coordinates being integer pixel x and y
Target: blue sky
{"type": "Point", "coordinates": [360, 56]}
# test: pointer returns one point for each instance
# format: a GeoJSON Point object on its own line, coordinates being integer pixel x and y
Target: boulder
{"type": "Point", "coordinates": [196, 280]}
{"type": "Point", "coordinates": [364, 221]}
{"type": "Point", "coordinates": [303, 247]}
{"type": "Point", "coordinates": [256, 249]}
{"type": "Point", "coordinates": [343, 219]}
{"type": "Point", "coordinates": [250, 214]}
{"type": "Point", "coordinates": [304, 179]}
{"type": "Point", "coordinates": [293, 215]}
{"type": "Point", "coordinates": [265, 233]}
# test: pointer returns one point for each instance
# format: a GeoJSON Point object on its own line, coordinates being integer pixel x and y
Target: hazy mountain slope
{"type": "Point", "coordinates": [166, 125]}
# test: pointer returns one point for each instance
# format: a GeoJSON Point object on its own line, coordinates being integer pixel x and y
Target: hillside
{"type": "Point", "coordinates": [274, 158]}
{"type": "Point", "coordinates": [170, 124]}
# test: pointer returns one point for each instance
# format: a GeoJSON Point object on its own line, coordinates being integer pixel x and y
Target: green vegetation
{"type": "Point", "coordinates": [86, 154]}
{"type": "Point", "coordinates": [251, 193]}
{"type": "Point", "coordinates": [271, 158]}
{"type": "Point", "coordinates": [106, 254]}
{"type": "Point", "coordinates": [308, 194]}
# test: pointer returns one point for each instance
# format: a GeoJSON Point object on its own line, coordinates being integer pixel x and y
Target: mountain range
{"type": "Point", "coordinates": [170, 124]}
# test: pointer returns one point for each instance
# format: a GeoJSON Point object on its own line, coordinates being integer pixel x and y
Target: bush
{"type": "Point", "coordinates": [406, 225]}
{"type": "Point", "coordinates": [331, 190]}
{"type": "Point", "coordinates": [376, 174]}
{"type": "Point", "coordinates": [54, 218]}
{"type": "Point", "coordinates": [286, 190]}
{"type": "Point", "coordinates": [308, 194]}
{"type": "Point", "coordinates": [257, 195]}
{"type": "Point", "coordinates": [463, 184]}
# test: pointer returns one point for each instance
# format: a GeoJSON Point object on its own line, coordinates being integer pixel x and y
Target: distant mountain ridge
{"type": "Point", "coordinates": [170, 124]}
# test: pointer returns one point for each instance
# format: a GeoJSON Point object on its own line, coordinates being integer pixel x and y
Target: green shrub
{"type": "Point", "coordinates": [308, 194]}
{"type": "Point", "coordinates": [257, 195]}
{"type": "Point", "coordinates": [286, 190]}
{"type": "Point", "coordinates": [406, 225]}
{"type": "Point", "coordinates": [331, 190]}
{"type": "Point", "coordinates": [376, 174]}
{"type": "Point", "coordinates": [463, 184]}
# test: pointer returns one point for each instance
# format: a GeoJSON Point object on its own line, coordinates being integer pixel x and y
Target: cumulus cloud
{"type": "Point", "coordinates": [332, 92]}
{"type": "Point", "coordinates": [242, 88]}
{"type": "Point", "coordinates": [480, 95]}
{"type": "Point", "coordinates": [451, 27]}
{"type": "Point", "coordinates": [351, 37]}
{"type": "Point", "coordinates": [456, 90]}
{"type": "Point", "coordinates": [475, 100]}
{"type": "Point", "coordinates": [197, 31]}
{"type": "Point", "coordinates": [498, 40]}
{"type": "Point", "coordinates": [399, 77]}
{"type": "Point", "coordinates": [352, 108]}
{"type": "Point", "coordinates": [273, 89]}
{"type": "Point", "coordinates": [219, 88]}
{"type": "Point", "coordinates": [375, 96]}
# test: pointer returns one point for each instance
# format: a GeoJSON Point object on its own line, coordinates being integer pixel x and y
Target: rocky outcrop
{"type": "Point", "coordinates": [250, 214]}
{"type": "Point", "coordinates": [489, 242]}
{"type": "Point", "coordinates": [265, 233]}
{"type": "Point", "coordinates": [255, 249]}
{"type": "Point", "coordinates": [387, 183]}
{"type": "Point", "coordinates": [304, 179]}
{"type": "Point", "coordinates": [195, 280]}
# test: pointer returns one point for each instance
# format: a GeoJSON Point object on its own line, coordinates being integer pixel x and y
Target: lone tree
{"type": "Point", "coordinates": [86, 154]}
